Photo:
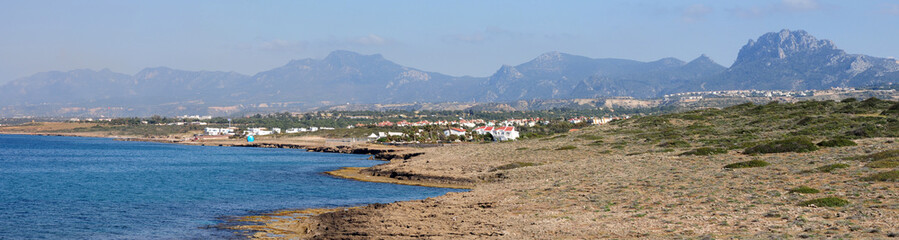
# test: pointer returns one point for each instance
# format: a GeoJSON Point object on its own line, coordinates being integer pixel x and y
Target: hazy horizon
{"type": "Point", "coordinates": [457, 38]}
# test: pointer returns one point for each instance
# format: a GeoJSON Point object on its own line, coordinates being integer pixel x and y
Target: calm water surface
{"type": "Point", "coordinates": [95, 188]}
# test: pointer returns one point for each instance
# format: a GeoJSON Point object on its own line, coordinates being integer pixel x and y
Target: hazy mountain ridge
{"type": "Point", "coordinates": [785, 60]}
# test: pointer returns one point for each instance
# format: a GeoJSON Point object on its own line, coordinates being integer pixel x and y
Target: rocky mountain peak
{"type": "Point", "coordinates": [553, 56]}
{"type": "Point", "coordinates": [702, 59]}
{"type": "Point", "coordinates": [784, 44]}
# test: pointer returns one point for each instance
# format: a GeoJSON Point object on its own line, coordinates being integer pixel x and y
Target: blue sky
{"type": "Point", "coordinates": [453, 37]}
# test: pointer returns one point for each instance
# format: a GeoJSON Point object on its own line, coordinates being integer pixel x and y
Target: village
{"type": "Point", "coordinates": [457, 130]}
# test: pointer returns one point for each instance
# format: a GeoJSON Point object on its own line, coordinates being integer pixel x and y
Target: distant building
{"type": "Point", "coordinates": [505, 133]}
{"type": "Point", "coordinates": [454, 131]}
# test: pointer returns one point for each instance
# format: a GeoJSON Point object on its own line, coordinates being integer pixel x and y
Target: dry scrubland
{"type": "Point", "coordinates": [632, 179]}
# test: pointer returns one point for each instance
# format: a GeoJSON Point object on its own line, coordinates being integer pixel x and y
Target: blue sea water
{"type": "Point", "coordinates": [96, 188]}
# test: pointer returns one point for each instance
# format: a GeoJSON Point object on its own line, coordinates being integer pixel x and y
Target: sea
{"type": "Point", "coordinates": [98, 188]}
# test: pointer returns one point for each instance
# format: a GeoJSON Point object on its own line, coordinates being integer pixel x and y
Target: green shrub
{"type": "Point", "coordinates": [513, 166]}
{"type": "Point", "coordinates": [597, 143]}
{"type": "Point", "coordinates": [748, 164]}
{"type": "Point", "coordinates": [567, 147]}
{"type": "Point", "coordinates": [785, 145]}
{"type": "Point", "coordinates": [675, 144]}
{"type": "Point", "coordinates": [825, 202]}
{"type": "Point", "coordinates": [804, 189]}
{"type": "Point", "coordinates": [704, 151]}
{"type": "Point", "coordinates": [522, 148]}
{"type": "Point", "coordinates": [892, 111]}
{"type": "Point", "coordinates": [849, 100]}
{"type": "Point", "coordinates": [839, 142]}
{"type": "Point", "coordinates": [885, 163]}
{"type": "Point", "coordinates": [589, 137]}
{"type": "Point", "coordinates": [831, 167]}
{"type": "Point", "coordinates": [890, 176]}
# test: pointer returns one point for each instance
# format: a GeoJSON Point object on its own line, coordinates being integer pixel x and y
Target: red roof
{"type": "Point", "coordinates": [507, 129]}
{"type": "Point", "coordinates": [458, 129]}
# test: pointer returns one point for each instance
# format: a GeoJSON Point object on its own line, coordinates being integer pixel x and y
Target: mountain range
{"type": "Point", "coordinates": [785, 60]}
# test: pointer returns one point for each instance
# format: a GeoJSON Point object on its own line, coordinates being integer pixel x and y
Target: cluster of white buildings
{"type": "Point", "coordinates": [183, 123]}
{"type": "Point", "coordinates": [197, 117]}
{"type": "Point", "coordinates": [741, 93]}
{"type": "Point", "coordinates": [595, 120]}
{"type": "Point", "coordinates": [310, 129]}
{"type": "Point", "coordinates": [220, 131]}
{"type": "Point", "coordinates": [266, 131]}
{"type": "Point", "coordinates": [465, 123]}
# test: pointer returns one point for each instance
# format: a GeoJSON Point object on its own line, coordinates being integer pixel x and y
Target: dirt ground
{"type": "Point", "coordinates": [598, 191]}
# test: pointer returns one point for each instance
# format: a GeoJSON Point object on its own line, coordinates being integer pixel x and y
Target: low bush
{"type": "Point", "coordinates": [831, 167]}
{"type": "Point", "coordinates": [674, 144]}
{"type": "Point", "coordinates": [567, 147]}
{"type": "Point", "coordinates": [589, 137]}
{"type": "Point", "coordinates": [890, 176]}
{"type": "Point", "coordinates": [522, 148]}
{"type": "Point", "coordinates": [804, 189]}
{"type": "Point", "coordinates": [885, 163]}
{"type": "Point", "coordinates": [704, 151]}
{"type": "Point", "coordinates": [785, 145]}
{"type": "Point", "coordinates": [825, 202]}
{"type": "Point", "coordinates": [748, 164]}
{"type": "Point", "coordinates": [839, 142]}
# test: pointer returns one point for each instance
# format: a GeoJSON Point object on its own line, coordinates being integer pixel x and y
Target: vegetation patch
{"type": "Point", "coordinates": [522, 148]}
{"type": "Point", "coordinates": [831, 167]}
{"type": "Point", "coordinates": [786, 145]}
{"type": "Point", "coordinates": [589, 137]}
{"type": "Point", "coordinates": [566, 147]}
{"type": "Point", "coordinates": [748, 164]}
{"type": "Point", "coordinates": [839, 142]}
{"type": "Point", "coordinates": [513, 166]}
{"type": "Point", "coordinates": [804, 189]}
{"type": "Point", "coordinates": [675, 144]}
{"type": "Point", "coordinates": [704, 151]}
{"type": "Point", "coordinates": [886, 163]}
{"type": "Point", "coordinates": [891, 176]}
{"type": "Point", "coordinates": [825, 202]}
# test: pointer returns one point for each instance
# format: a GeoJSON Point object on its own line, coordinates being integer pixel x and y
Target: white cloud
{"type": "Point", "coordinates": [695, 13]}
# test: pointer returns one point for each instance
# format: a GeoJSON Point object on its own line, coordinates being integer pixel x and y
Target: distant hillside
{"type": "Point", "coordinates": [785, 60]}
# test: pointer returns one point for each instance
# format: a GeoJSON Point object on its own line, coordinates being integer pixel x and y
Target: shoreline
{"type": "Point", "coordinates": [294, 223]}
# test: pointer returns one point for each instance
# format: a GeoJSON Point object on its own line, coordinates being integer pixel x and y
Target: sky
{"type": "Point", "coordinates": [454, 37]}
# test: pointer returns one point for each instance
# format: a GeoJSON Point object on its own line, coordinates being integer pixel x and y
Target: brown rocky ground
{"type": "Point", "coordinates": [630, 191]}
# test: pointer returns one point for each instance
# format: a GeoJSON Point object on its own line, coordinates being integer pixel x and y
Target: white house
{"type": "Point", "coordinates": [505, 133]}
{"type": "Point", "coordinates": [276, 130]}
{"type": "Point", "coordinates": [454, 131]}
{"type": "Point", "coordinates": [483, 130]}
{"type": "Point", "coordinates": [219, 131]}
{"type": "Point", "coordinates": [499, 133]}
{"type": "Point", "coordinates": [257, 131]}
{"type": "Point", "coordinates": [394, 134]}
